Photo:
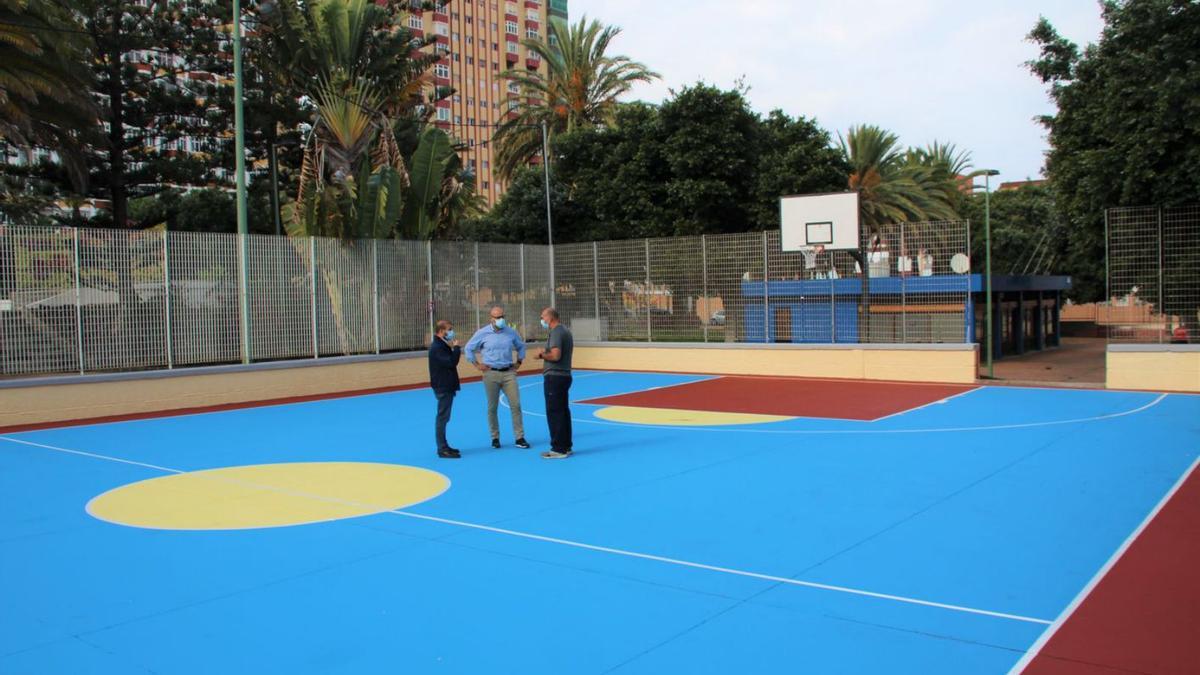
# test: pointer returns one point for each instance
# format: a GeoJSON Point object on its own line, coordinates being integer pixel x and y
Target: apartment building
{"type": "Point", "coordinates": [480, 39]}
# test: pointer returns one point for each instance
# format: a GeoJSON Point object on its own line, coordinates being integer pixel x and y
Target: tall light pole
{"type": "Point", "coordinates": [549, 226]}
{"type": "Point", "coordinates": [239, 149]}
{"type": "Point", "coordinates": [987, 248]}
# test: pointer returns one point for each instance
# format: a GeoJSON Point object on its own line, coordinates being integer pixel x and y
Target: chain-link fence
{"type": "Point", "coordinates": [1153, 275]}
{"type": "Point", "coordinates": [86, 300]}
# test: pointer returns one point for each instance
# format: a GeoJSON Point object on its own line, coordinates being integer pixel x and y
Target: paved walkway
{"type": "Point", "coordinates": [1079, 362]}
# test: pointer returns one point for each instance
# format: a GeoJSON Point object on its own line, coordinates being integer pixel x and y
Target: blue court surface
{"type": "Point", "coordinates": [945, 539]}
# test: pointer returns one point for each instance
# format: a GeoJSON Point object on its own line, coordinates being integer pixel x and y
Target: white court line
{"type": "Point", "coordinates": [1095, 580]}
{"type": "Point", "coordinates": [743, 430]}
{"type": "Point", "coordinates": [573, 544]}
{"type": "Point", "coordinates": [931, 403]}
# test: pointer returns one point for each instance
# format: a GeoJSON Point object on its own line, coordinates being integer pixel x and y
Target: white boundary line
{"type": "Point", "coordinates": [568, 542]}
{"type": "Point", "coordinates": [805, 432]}
{"type": "Point", "coordinates": [931, 403]}
{"type": "Point", "coordinates": [1100, 574]}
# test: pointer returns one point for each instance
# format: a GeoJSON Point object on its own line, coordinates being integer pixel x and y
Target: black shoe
{"type": "Point", "coordinates": [495, 442]}
{"type": "Point", "coordinates": [449, 453]}
{"type": "Point", "coordinates": [522, 443]}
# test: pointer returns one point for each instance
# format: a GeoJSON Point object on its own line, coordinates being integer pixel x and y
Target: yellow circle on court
{"type": "Point", "coordinates": [670, 416]}
{"type": "Point", "coordinates": [267, 495]}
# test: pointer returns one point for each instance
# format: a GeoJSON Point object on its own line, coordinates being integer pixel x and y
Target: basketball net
{"type": "Point", "coordinates": [810, 256]}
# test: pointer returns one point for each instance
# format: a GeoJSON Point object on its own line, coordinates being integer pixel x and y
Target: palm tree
{"type": "Point", "coordinates": [897, 185]}
{"type": "Point", "coordinates": [44, 80]}
{"type": "Point", "coordinates": [580, 87]}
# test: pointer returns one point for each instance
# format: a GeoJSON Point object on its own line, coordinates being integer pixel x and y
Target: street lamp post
{"type": "Point", "coordinates": [987, 248]}
{"type": "Point", "coordinates": [549, 225]}
{"type": "Point", "coordinates": [240, 167]}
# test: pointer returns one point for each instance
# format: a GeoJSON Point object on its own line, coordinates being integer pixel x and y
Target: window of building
{"type": "Point", "coordinates": [415, 22]}
{"type": "Point", "coordinates": [531, 14]}
{"type": "Point", "coordinates": [443, 114]}
{"type": "Point", "coordinates": [458, 119]}
{"type": "Point", "coordinates": [485, 185]}
{"type": "Point", "coordinates": [486, 165]}
{"type": "Point", "coordinates": [457, 98]}
{"type": "Point", "coordinates": [441, 29]}
{"type": "Point", "coordinates": [510, 27]}
{"type": "Point", "coordinates": [441, 70]}
{"type": "Point", "coordinates": [470, 40]}
{"type": "Point", "coordinates": [531, 34]}
{"type": "Point", "coordinates": [512, 48]}
{"type": "Point", "coordinates": [471, 143]}
{"type": "Point", "coordinates": [470, 60]}
{"type": "Point", "coordinates": [471, 121]}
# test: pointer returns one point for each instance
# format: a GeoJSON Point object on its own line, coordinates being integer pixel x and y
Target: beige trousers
{"type": "Point", "coordinates": [493, 382]}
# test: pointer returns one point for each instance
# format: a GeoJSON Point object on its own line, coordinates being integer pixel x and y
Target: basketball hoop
{"type": "Point", "coordinates": [810, 255]}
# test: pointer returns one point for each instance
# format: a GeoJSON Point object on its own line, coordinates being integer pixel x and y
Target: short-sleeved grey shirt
{"type": "Point", "coordinates": [560, 337]}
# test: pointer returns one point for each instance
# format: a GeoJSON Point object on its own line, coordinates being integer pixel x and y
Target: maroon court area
{"type": "Point", "coordinates": [791, 397]}
{"type": "Point", "coordinates": [1142, 616]}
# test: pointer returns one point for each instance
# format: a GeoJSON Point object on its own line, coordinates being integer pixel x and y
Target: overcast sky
{"type": "Point", "coordinates": [926, 69]}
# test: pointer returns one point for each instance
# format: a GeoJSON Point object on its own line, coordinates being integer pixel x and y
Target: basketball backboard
{"type": "Point", "coordinates": [829, 220]}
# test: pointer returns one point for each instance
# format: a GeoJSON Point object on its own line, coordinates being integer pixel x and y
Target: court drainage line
{"type": "Point", "coordinates": [1079, 599]}
{"type": "Point", "coordinates": [565, 542]}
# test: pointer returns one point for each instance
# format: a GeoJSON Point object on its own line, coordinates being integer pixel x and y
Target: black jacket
{"type": "Point", "coordinates": [443, 366]}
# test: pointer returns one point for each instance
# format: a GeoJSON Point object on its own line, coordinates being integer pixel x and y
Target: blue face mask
{"type": "Point", "coordinates": [501, 323]}
{"type": "Point", "coordinates": [545, 325]}
{"type": "Point", "coordinates": [450, 334]}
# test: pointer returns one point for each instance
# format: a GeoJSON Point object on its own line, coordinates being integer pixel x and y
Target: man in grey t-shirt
{"type": "Point", "coordinates": [556, 383]}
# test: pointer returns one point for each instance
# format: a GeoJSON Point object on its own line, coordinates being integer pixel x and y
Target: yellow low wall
{"type": "Point", "coordinates": [956, 364]}
{"type": "Point", "coordinates": [94, 397]}
{"type": "Point", "coordinates": [69, 399]}
{"type": "Point", "coordinates": [1154, 367]}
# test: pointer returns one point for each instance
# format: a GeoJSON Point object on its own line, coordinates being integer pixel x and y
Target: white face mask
{"type": "Point", "coordinates": [501, 323]}
{"type": "Point", "coordinates": [450, 334]}
{"type": "Point", "coordinates": [545, 325]}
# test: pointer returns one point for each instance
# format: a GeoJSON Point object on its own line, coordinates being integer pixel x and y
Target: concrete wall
{"type": "Point", "coordinates": [1154, 367]}
{"type": "Point", "coordinates": [42, 401]}
{"type": "Point", "coordinates": [909, 363]}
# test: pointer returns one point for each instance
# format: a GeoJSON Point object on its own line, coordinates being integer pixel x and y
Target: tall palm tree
{"type": "Point", "coordinates": [44, 80]}
{"type": "Point", "coordinates": [896, 185]}
{"type": "Point", "coordinates": [580, 87]}
{"type": "Point", "coordinates": [355, 61]}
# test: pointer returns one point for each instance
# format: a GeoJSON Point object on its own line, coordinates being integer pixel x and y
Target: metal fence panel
{"type": "Point", "coordinates": [454, 293]}
{"type": "Point", "coordinates": [403, 296]}
{"type": "Point", "coordinates": [736, 287]}
{"type": "Point", "coordinates": [1153, 275]}
{"type": "Point", "coordinates": [625, 297]}
{"type": "Point", "coordinates": [149, 299]}
{"type": "Point", "coordinates": [677, 302]}
{"type": "Point", "coordinates": [500, 284]}
{"type": "Point", "coordinates": [280, 297]}
{"type": "Point", "coordinates": [575, 273]}
{"type": "Point", "coordinates": [39, 321]}
{"type": "Point", "coordinates": [345, 297]}
{"type": "Point", "coordinates": [537, 291]}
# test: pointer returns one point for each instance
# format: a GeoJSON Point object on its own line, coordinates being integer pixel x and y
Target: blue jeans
{"type": "Point", "coordinates": [445, 401]}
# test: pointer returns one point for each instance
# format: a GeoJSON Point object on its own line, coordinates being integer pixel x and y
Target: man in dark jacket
{"type": "Point", "coordinates": [444, 354]}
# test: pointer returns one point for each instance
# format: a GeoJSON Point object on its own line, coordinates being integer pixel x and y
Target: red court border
{"type": "Point", "coordinates": [858, 400]}
{"type": "Point", "coordinates": [1143, 616]}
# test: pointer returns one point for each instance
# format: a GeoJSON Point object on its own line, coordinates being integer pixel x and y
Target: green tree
{"type": "Point", "coordinates": [355, 60]}
{"type": "Point", "coordinates": [1127, 127]}
{"type": "Point", "coordinates": [1027, 235]}
{"type": "Point", "coordinates": [796, 157]}
{"type": "Point", "coordinates": [580, 87]}
{"type": "Point", "coordinates": [896, 185]}
{"type": "Point", "coordinates": [44, 81]}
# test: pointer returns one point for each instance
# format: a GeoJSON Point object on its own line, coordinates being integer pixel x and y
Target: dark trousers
{"type": "Point", "coordinates": [558, 411]}
{"type": "Point", "coordinates": [445, 401]}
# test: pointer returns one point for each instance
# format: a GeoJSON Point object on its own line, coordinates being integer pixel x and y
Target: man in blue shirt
{"type": "Point", "coordinates": [491, 351]}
